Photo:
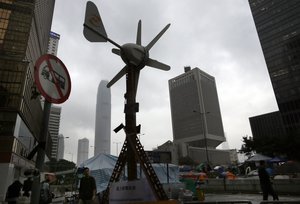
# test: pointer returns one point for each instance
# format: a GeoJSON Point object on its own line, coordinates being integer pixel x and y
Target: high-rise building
{"type": "Point", "coordinates": [53, 43]}
{"type": "Point", "coordinates": [196, 115]}
{"type": "Point", "coordinates": [61, 147]}
{"type": "Point", "coordinates": [267, 126]}
{"type": "Point", "coordinates": [54, 118]}
{"type": "Point", "coordinates": [103, 120]}
{"type": "Point", "coordinates": [82, 151]}
{"type": "Point", "coordinates": [278, 27]}
{"type": "Point", "coordinates": [53, 128]}
{"type": "Point", "coordinates": [24, 33]}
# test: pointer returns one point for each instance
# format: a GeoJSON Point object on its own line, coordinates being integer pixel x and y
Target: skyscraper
{"type": "Point", "coordinates": [278, 24]}
{"type": "Point", "coordinates": [53, 43]}
{"type": "Point", "coordinates": [24, 33]}
{"type": "Point", "coordinates": [196, 115]}
{"type": "Point", "coordinates": [61, 147]}
{"type": "Point", "coordinates": [103, 119]}
{"type": "Point", "coordinates": [54, 118]}
{"type": "Point", "coordinates": [82, 151]}
{"type": "Point", "coordinates": [53, 127]}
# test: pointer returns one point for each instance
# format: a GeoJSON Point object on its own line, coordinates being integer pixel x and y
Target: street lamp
{"type": "Point", "coordinates": [204, 132]}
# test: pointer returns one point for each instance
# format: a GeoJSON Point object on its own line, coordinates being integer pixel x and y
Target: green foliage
{"type": "Point", "coordinates": [284, 145]}
{"type": "Point", "coordinates": [61, 165]}
{"type": "Point", "coordinates": [248, 146]}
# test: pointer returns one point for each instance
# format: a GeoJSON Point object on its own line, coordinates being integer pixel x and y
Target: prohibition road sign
{"type": "Point", "coordinates": [52, 79]}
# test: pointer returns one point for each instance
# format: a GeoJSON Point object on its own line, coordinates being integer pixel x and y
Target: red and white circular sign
{"type": "Point", "coordinates": [52, 79]}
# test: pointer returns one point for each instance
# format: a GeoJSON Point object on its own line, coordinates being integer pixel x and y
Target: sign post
{"type": "Point", "coordinates": [53, 81]}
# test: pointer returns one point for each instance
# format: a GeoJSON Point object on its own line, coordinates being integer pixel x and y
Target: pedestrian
{"type": "Point", "coordinates": [265, 182]}
{"type": "Point", "coordinates": [27, 187]}
{"type": "Point", "coordinates": [45, 193]}
{"type": "Point", "coordinates": [87, 188]}
{"type": "Point", "coordinates": [13, 192]}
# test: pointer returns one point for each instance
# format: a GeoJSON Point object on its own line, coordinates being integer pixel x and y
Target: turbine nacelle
{"type": "Point", "coordinates": [134, 55]}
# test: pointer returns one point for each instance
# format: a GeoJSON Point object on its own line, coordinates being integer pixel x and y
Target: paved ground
{"type": "Point", "coordinates": [254, 198]}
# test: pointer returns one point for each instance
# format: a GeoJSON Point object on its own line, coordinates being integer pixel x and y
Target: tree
{"type": "Point", "coordinates": [61, 165]}
{"type": "Point", "coordinates": [281, 145]}
{"type": "Point", "coordinates": [248, 147]}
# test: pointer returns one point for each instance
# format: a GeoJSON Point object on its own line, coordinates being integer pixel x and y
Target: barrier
{"type": "Point", "coordinates": [279, 202]}
{"type": "Point", "coordinates": [220, 202]}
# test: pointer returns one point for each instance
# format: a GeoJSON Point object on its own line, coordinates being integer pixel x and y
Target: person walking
{"type": "Point", "coordinates": [45, 193]}
{"type": "Point", "coordinates": [87, 188]}
{"type": "Point", "coordinates": [27, 187]}
{"type": "Point", "coordinates": [265, 183]}
{"type": "Point", "coordinates": [13, 192]}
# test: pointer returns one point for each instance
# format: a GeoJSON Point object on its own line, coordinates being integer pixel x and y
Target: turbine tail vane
{"type": "Point", "coordinates": [150, 45]}
{"type": "Point", "coordinates": [93, 25]}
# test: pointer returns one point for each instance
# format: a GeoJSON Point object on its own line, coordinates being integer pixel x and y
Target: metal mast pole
{"type": "Point", "coordinates": [130, 121]}
{"type": "Point", "coordinates": [35, 196]}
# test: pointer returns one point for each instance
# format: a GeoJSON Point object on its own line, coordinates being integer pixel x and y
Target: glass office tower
{"type": "Point", "coordinates": [24, 34]}
{"type": "Point", "coordinates": [278, 27]}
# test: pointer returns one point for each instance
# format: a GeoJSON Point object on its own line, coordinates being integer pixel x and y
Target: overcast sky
{"type": "Point", "coordinates": [218, 36]}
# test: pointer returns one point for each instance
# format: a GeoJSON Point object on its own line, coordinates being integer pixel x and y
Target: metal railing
{"type": "Point", "coordinates": [219, 202]}
{"type": "Point", "coordinates": [279, 202]}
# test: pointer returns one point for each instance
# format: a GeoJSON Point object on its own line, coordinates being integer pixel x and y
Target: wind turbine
{"type": "Point", "coordinates": [136, 57]}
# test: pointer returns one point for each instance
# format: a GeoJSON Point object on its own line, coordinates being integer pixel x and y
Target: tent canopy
{"type": "Point", "coordinates": [259, 157]}
{"type": "Point", "coordinates": [102, 165]}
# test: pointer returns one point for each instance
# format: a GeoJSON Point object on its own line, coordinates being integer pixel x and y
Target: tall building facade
{"type": "Point", "coordinates": [54, 118]}
{"type": "Point", "coordinates": [196, 115]}
{"type": "Point", "coordinates": [24, 33]}
{"type": "Point", "coordinates": [103, 120]}
{"type": "Point", "coordinates": [61, 147]}
{"type": "Point", "coordinates": [267, 125]}
{"type": "Point", "coordinates": [278, 27]}
{"type": "Point", "coordinates": [53, 128]}
{"type": "Point", "coordinates": [82, 151]}
{"type": "Point", "coordinates": [53, 43]}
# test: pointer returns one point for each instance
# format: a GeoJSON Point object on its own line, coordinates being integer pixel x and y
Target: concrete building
{"type": "Point", "coordinates": [53, 43]}
{"type": "Point", "coordinates": [54, 120]}
{"type": "Point", "coordinates": [82, 151]}
{"type": "Point", "coordinates": [24, 34]}
{"type": "Point", "coordinates": [268, 125]}
{"type": "Point", "coordinates": [61, 147]}
{"type": "Point", "coordinates": [103, 120]}
{"type": "Point", "coordinates": [53, 127]}
{"type": "Point", "coordinates": [196, 115]}
{"type": "Point", "coordinates": [278, 24]}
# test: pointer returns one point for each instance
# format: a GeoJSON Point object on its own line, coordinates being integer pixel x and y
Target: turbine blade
{"type": "Point", "coordinates": [116, 51]}
{"type": "Point", "coordinates": [117, 77]}
{"type": "Point", "coordinates": [158, 65]}
{"type": "Point", "coordinates": [139, 33]}
{"type": "Point", "coordinates": [150, 45]}
{"type": "Point", "coordinates": [93, 20]}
